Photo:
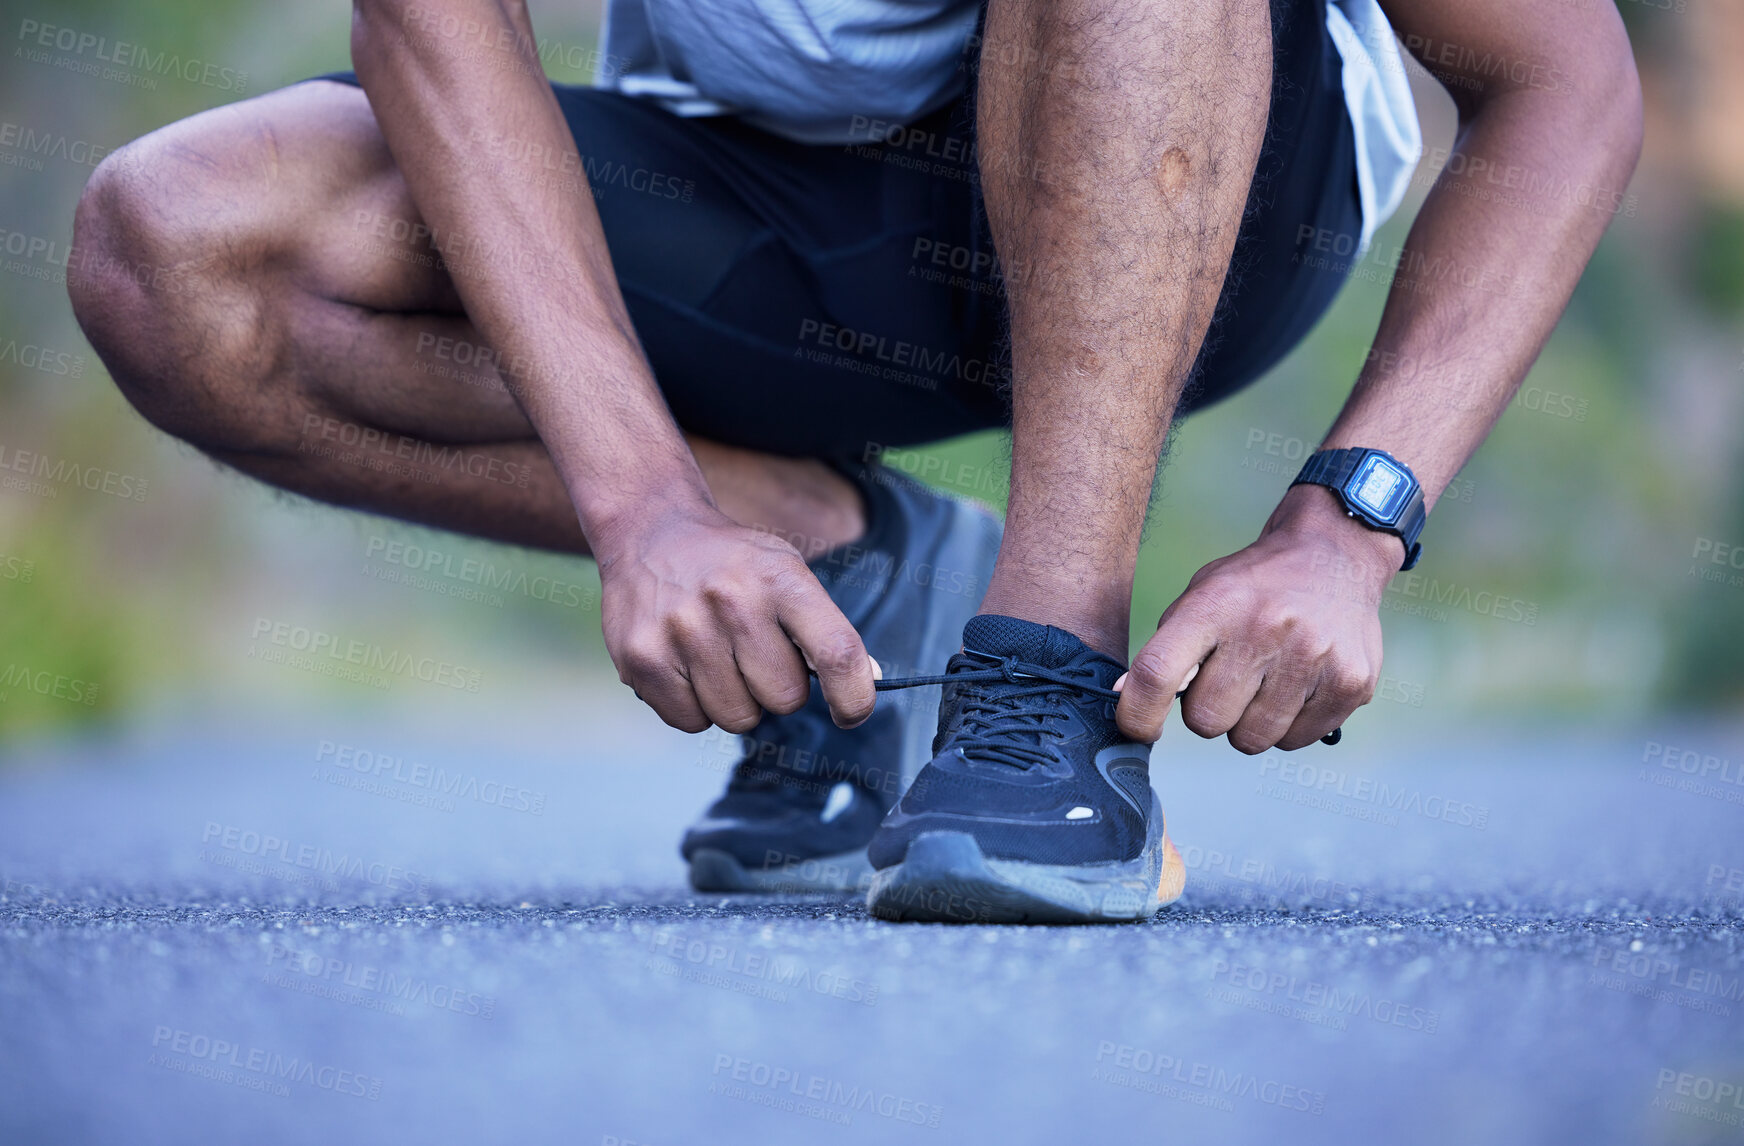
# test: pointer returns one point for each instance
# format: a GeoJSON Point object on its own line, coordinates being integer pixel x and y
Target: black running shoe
{"type": "Point", "coordinates": [1034, 809]}
{"type": "Point", "coordinates": [806, 796]}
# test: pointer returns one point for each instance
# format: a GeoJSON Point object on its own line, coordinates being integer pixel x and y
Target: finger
{"type": "Point", "coordinates": [833, 648]}
{"type": "Point", "coordinates": [772, 668]}
{"type": "Point", "coordinates": [669, 694]}
{"type": "Point", "coordinates": [1227, 683]}
{"type": "Point", "coordinates": [1271, 713]}
{"type": "Point", "coordinates": [1159, 671]}
{"type": "Point", "coordinates": [1120, 682]}
{"type": "Point", "coordinates": [705, 657]}
{"type": "Point", "coordinates": [1327, 708]}
{"type": "Point", "coordinates": [721, 689]}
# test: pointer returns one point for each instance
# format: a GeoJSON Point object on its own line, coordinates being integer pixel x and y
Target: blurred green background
{"type": "Point", "coordinates": [1589, 503]}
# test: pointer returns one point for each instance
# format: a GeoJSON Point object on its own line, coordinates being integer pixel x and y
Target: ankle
{"type": "Point", "coordinates": [1104, 629]}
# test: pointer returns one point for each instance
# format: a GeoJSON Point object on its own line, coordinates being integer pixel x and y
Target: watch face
{"type": "Point", "coordinates": [1380, 487]}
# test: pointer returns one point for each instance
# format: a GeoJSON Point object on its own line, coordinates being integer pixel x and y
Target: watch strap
{"type": "Point", "coordinates": [1329, 467]}
{"type": "Point", "coordinates": [1335, 468]}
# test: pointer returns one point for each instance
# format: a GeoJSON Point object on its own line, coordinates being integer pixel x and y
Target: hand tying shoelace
{"type": "Point", "coordinates": [1006, 743]}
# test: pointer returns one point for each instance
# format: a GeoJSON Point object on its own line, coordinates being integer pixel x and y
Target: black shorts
{"type": "Point", "coordinates": [818, 300]}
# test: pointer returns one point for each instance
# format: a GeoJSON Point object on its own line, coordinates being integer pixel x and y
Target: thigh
{"type": "Point", "coordinates": [774, 285]}
{"type": "Point", "coordinates": [329, 209]}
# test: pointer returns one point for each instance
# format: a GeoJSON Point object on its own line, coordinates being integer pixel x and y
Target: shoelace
{"type": "Point", "coordinates": [997, 728]}
{"type": "Point", "coordinates": [1012, 670]}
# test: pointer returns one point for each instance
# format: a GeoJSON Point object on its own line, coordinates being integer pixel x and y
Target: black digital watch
{"type": "Point", "coordinates": [1376, 489]}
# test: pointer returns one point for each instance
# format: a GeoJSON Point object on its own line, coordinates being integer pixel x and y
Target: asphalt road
{"type": "Point", "coordinates": [248, 931]}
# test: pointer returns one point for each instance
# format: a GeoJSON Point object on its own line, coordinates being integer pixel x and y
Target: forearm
{"type": "Point", "coordinates": [525, 250]}
{"type": "Point", "coordinates": [1544, 150]}
{"type": "Point", "coordinates": [1286, 633]}
{"type": "Point", "coordinates": [1482, 281]}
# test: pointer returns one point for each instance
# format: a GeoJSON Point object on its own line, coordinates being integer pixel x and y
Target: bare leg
{"type": "Point", "coordinates": [1116, 159]}
{"type": "Point", "coordinates": [234, 277]}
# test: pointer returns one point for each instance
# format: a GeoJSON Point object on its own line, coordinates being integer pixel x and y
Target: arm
{"type": "Point", "coordinates": [1287, 631]}
{"type": "Point", "coordinates": [701, 615]}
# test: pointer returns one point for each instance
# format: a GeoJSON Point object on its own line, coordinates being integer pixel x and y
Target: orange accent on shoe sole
{"type": "Point", "coordinates": [1174, 878]}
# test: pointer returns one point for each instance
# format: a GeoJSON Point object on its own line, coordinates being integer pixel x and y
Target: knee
{"type": "Point", "coordinates": [160, 282]}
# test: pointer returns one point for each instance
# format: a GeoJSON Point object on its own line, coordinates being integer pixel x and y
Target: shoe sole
{"type": "Point", "coordinates": [715, 870]}
{"type": "Point", "coordinates": [945, 878]}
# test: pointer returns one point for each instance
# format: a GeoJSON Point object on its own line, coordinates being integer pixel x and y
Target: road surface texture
{"type": "Point", "coordinates": [291, 929]}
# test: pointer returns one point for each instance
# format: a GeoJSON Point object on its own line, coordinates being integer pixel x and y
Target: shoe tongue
{"type": "Point", "coordinates": [1041, 645]}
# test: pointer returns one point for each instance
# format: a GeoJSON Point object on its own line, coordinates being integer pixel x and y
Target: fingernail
{"type": "Point", "coordinates": [877, 673]}
{"type": "Point", "coordinates": [1121, 683]}
{"type": "Point", "coordinates": [1188, 679]}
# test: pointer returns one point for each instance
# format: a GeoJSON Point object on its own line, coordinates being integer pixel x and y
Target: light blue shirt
{"type": "Point", "coordinates": [818, 71]}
